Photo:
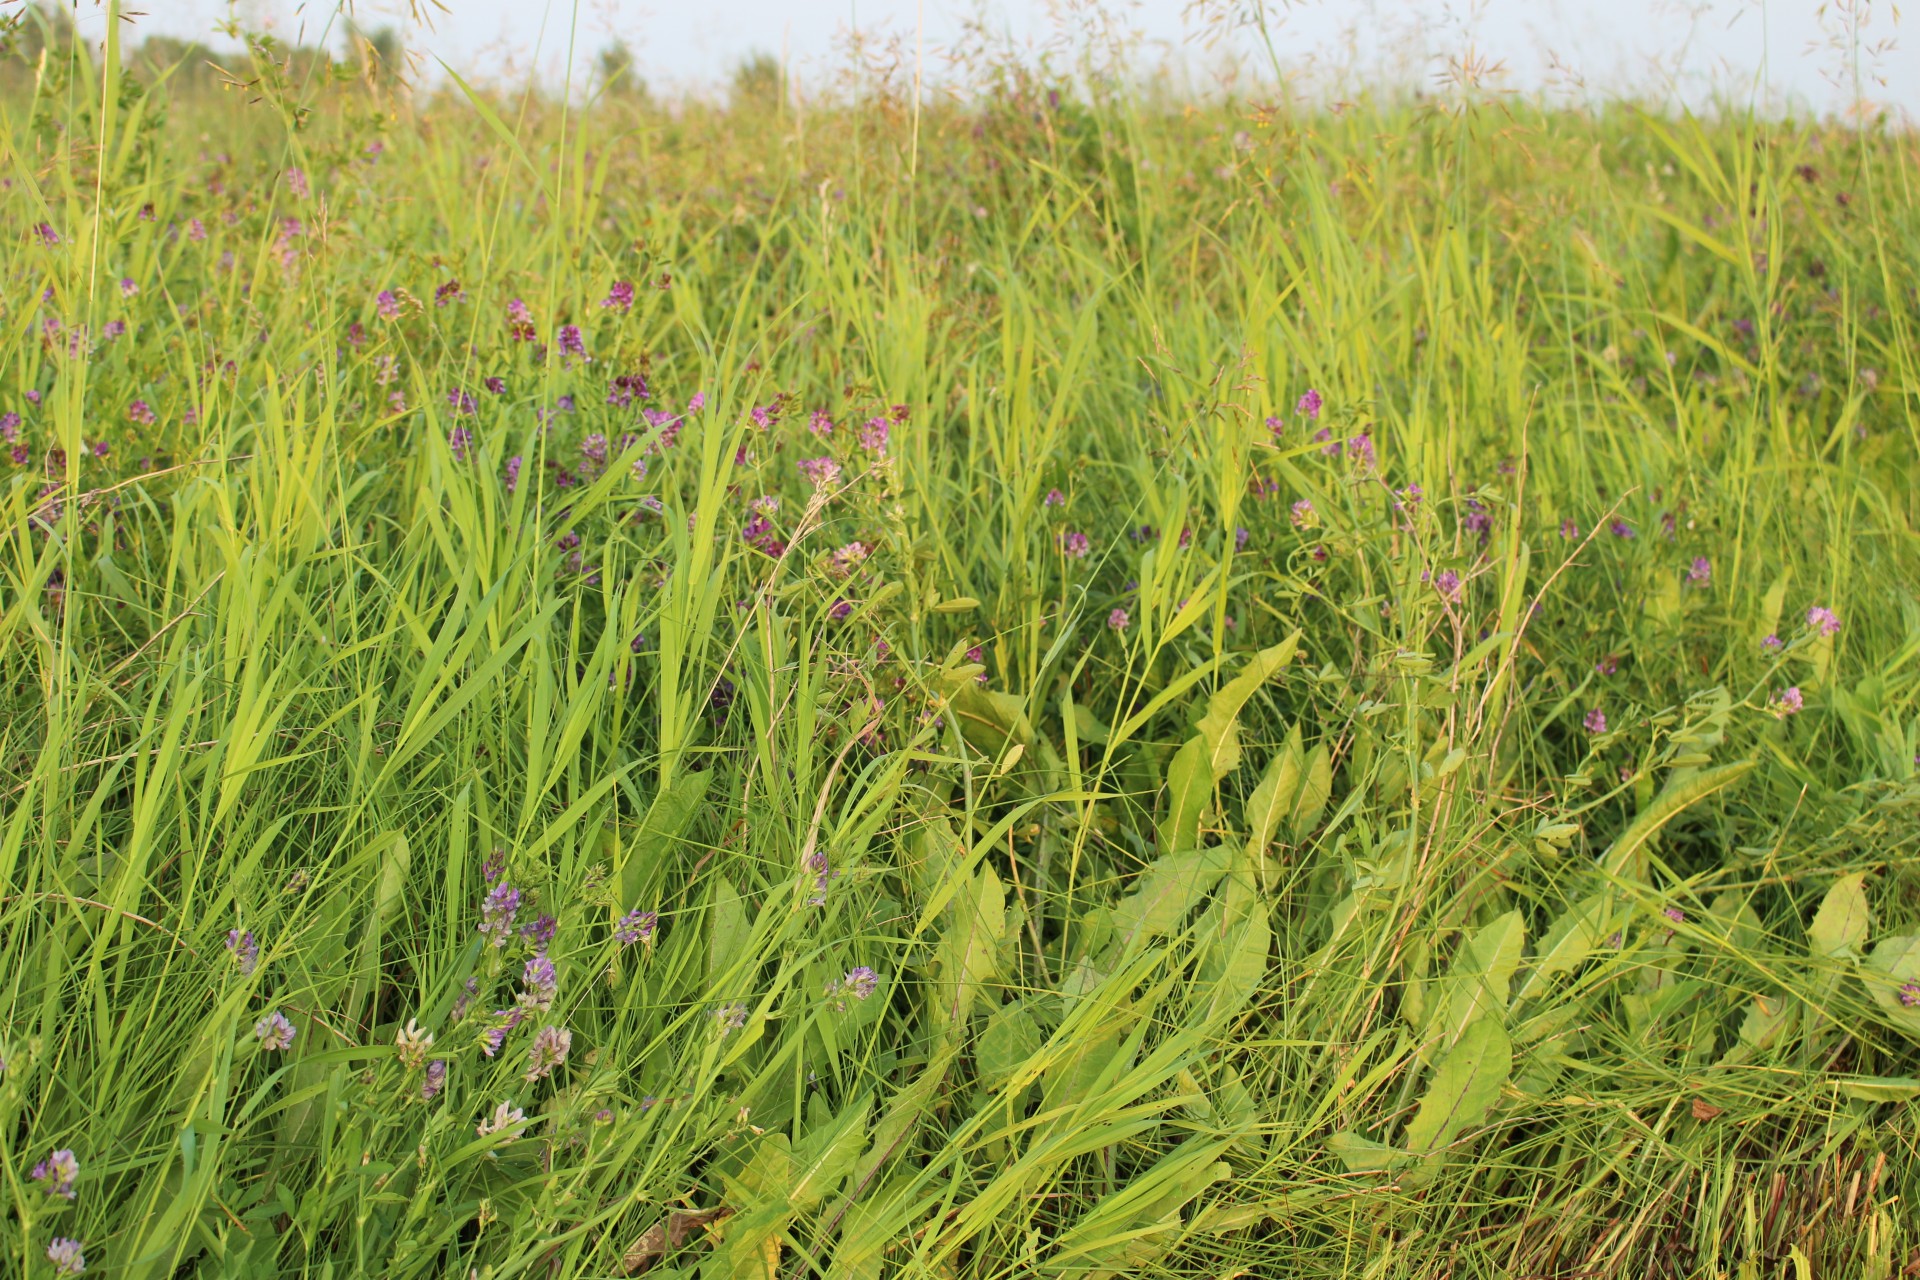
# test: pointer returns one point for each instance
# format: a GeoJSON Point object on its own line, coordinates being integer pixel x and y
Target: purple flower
{"type": "Point", "coordinates": [1910, 995]}
{"type": "Point", "coordinates": [57, 1174]}
{"type": "Point", "coordinates": [273, 1032]}
{"type": "Point", "coordinates": [541, 983]}
{"type": "Point", "coordinates": [823, 876]}
{"type": "Point", "coordinates": [730, 1017]}
{"type": "Point", "coordinates": [540, 931]}
{"type": "Point", "coordinates": [860, 982]}
{"type": "Point", "coordinates": [1595, 722]}
{"type": "Point", "coordinates": [448, 292]}
{"type": "Point", "coordinates": [1118, 620]}
{"type": "Point", "coordinates": [1674, 914]}
{"type": "Point", "coordinates": [1054, 498]}
{"type": "Point", "coordinates": [435, 1081]}
{"type": "Point", "coordinates": [550, 1046]}
{"type": "Point", "coordinates": [619, 297]}
{"type": "Point", "coordinates": [820, 424]}
{"type": "Point", "coordinates": [10, 425]}
{"type": "Point", "coordinates": [297, 183]}
{"type": "Point", "coordinates": [459, 440]}
{"type": "Point", "coordinates": [1241, 537]}
{"type": "Point", "coordinates": [48, 236]}
{"type": "Point", "coordinates": [625, 388]}
{"type": "Point", "coordinates": [1075, 545]}
{"type": "Point", "coordinates": [141, 412]}
{"type": "Point", "coordinates": [873, 434]}
{"type": "Point", "coordinates": [498, 386]}
{"type": "Point", "coordinates": [821, 472]}
{"type": "Point", "coordinates": [594, 450]}
{"type": "Point", "coordinates": [1608, 664]}
{"type": "Point", "coordinates": [244, 950]}
{"type": "Point", "coordinates": [1823, 620]}
{"type": "Point", "coordinates": [840, 609]}
{"type": "Point", "coordinates": [1447, 583]}
{"type": "Point", "coordinates": [1275, 428]}
{"type": "Point", "coordinates": [1303, 515]}
{"type": "Point", "coordinates": [848, 558]}
{"type": "Point", "coordinates": [1772, 644]}
{"type": "Point", "coordinates": [411, 1044]}
{"type": "Point", "coordinates": [66, 1257]}
{"type": "Point", "coordinates": [636, 926]}
{"type": "Point", "coordinates": [1360, 452]}
{"type": "Point", "coordinates": [571, 343]}
{"type": "Point", "coordinates": [1478, 520]}
{"type": "Point", "coordinates": [518, 313]}
{"type": "Point", "coordinates": [513, 473]}
{"type": "Point", "coordinates": [387, 305]}
{"type": "Point", "coordinates": [1620, 528]}
{"type": "Point", "coordinates": [1309, 404]}
{"type": "Point", "coordinates": [506, 1119]}
{"type": "Point", "coordinates": [465, 1002]}
{"type": "Point", "coordinates": [128, 289]}
{"type": "Point", "coordinates": [461, 402]}
{"type": "Point", "coordinates": [1787, 702]}
{"type": "Point", "coordinates": [1701, 573]}
{"type": "Point", "coordinates": [497, 912]}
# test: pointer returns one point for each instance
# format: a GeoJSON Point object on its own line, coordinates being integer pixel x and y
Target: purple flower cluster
{"type": "Point", "coordinates": [244, 950]}
{"type": "Point", "coordinates": [274, 1032]}
{"type": "Point", "coordinates": [57, 1174]}
{"type": "Point", "coordinates": [497, 911]}
{"type": "Point", "coordinates": [636, 926]}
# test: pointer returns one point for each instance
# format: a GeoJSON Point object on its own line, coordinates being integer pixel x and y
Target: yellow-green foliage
{"type": "Point", "coordinates": [1062, 684]}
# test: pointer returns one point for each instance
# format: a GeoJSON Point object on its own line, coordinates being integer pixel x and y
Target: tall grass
{"type": "Point", "coordinates": [1118, 813]}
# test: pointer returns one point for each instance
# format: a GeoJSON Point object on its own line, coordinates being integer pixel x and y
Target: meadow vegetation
{"type": "Point", "coordinates": [1056, 682]}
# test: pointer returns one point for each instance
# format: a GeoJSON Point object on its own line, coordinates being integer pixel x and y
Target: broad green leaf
{"type": "Point", "coordinates": [1892, 975]}
{"type": "Point", "coordinates": [1189, 788]}
{"type": "Point", "coordinates": [989, 719]}
{"type": "Point", "coordinates": [826, 1155]}
{"type": "Point", "coordinates": [668, 818]}
{"type": "Point", "coordinates": [1008, 1041]}
{"type": "Point", "coordinates": [1218, 725]}
{"type": "Point", "coordinates": [1272, 798]}
{"type": "Point", "coordinates": [1236, 963]}
{"type": "Point", "coordinates": [1766, 1015]}
{"type": "Point", "coordinates": [1316, 788]}
{"type": "Point", "coordinates": [1878, 1088]}
{"type": "Point", "coordinates": [1133, 1225]}
{"type": "Point", "coordinates": [1570, 939]}
{"type": "Point", "coordinates": [969, 948]}
{"type": "Point", "coordinates": [1169, 889]}
{"type": "Point", "coordinates": [1476, 986]}
{"type": "Point", "coordinates": [1466, 1083]}
{"type": "Point", "coordinates": [1625, 857]}
{"type": "Point", "coordinates": [1364, 1155]}
{"type": "Point", "coordinates": [1840, 925]}
{"type": "Point", "coordinates": [728, 930]}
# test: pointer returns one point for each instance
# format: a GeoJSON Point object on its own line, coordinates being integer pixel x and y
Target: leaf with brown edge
{"type": "Point", "coordinates": [669, 1234]}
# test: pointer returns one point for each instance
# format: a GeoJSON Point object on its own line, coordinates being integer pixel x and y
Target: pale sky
{"type": "Point", "coordinates": [1811, 52]}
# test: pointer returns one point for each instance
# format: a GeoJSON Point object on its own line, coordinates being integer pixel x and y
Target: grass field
{"type": "Point", "coordinates": [1062, 683]}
